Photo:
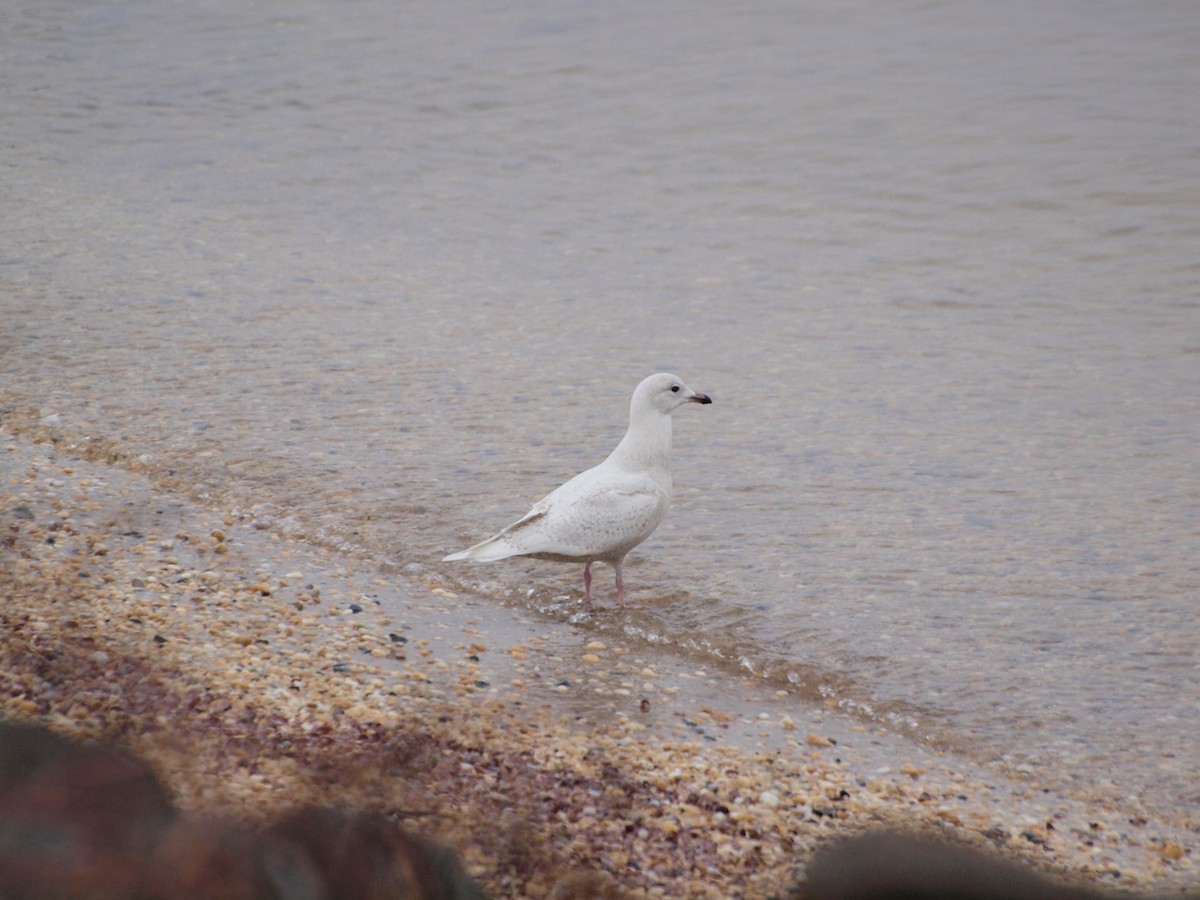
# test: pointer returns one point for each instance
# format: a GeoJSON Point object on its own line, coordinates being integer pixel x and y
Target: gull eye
{"type": "Point", "coordinates": [674, 389]}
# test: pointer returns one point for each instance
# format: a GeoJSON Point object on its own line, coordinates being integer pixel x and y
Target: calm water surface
{"type": "Point", "coordinates": [386, 273]}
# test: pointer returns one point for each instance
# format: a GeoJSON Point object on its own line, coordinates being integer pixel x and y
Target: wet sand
{"type": "Point", "coordinates": [256, 674]}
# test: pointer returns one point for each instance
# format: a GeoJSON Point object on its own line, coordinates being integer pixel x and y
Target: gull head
{"type": "Point", "coordinates": [664, 393]}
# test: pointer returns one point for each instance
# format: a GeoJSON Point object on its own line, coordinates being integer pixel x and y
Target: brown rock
{"type": "Point", "coordinates": [888, 865]}
{"type": "Point", "coordinates": [365, 856]}
{"type": "Point", "coordinates": [199, 860]}
{"type": "Point", "coordinates": [74, 819]}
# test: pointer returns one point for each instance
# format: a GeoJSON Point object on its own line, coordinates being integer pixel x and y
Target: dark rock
{"type": "Point", "coordinates": [198, 860]}
{"type": "Point", "coordinates": [75, 820]}
{"type": "Point", "coordinates": [361, 855]}
{"type": "Point", "coordinates": [886, 865]}
{"type": "Point", "coordinates": [88, 821]}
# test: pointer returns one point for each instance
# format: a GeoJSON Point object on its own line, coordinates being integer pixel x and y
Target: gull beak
{"type": "Point", "coordinates": [699, 398]}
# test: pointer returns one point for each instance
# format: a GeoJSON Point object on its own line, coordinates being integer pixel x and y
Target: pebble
{"type": "Point", "coordinates": [251, 666]}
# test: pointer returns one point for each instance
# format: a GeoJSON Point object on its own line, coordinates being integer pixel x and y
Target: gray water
{"type": "Point", "coordinates": [384, 274]}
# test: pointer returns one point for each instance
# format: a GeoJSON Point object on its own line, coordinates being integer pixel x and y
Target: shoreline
{"type": "Point", "coordinates": [255, 673]}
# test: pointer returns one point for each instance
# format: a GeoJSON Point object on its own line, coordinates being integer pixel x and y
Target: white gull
{"type": "Point", "coordinates": [603, 513]}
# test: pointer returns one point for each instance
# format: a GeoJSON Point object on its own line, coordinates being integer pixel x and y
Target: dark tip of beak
{"type": "Point", "coordinates": [701, 398]}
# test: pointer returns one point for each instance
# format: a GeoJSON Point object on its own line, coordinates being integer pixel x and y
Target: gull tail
{"type": "Point", "coordinates": [492, 549]}
{"type": "Point", "coordinates": [497, 546]}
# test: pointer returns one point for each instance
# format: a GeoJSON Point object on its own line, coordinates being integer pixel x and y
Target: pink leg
{"type": "Point", "coordinates": [587, 584]}
{"type": "Point", "coordinates": [620, 586]}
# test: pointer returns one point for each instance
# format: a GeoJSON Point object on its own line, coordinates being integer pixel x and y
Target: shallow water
{"type": "Point", "coordinates": [385, 275]}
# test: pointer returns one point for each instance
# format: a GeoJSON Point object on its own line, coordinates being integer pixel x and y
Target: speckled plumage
{"type": "Point", "coordinates": [603, 513]}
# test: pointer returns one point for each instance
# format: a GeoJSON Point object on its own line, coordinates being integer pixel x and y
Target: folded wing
{"type": "Point", "coordinates": [595, 515]}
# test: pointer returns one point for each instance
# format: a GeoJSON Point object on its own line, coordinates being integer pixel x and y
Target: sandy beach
{"type": "Point", "coordinates": [256, 673]}
{"type": "Point", "coordinates": [298, 299]}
